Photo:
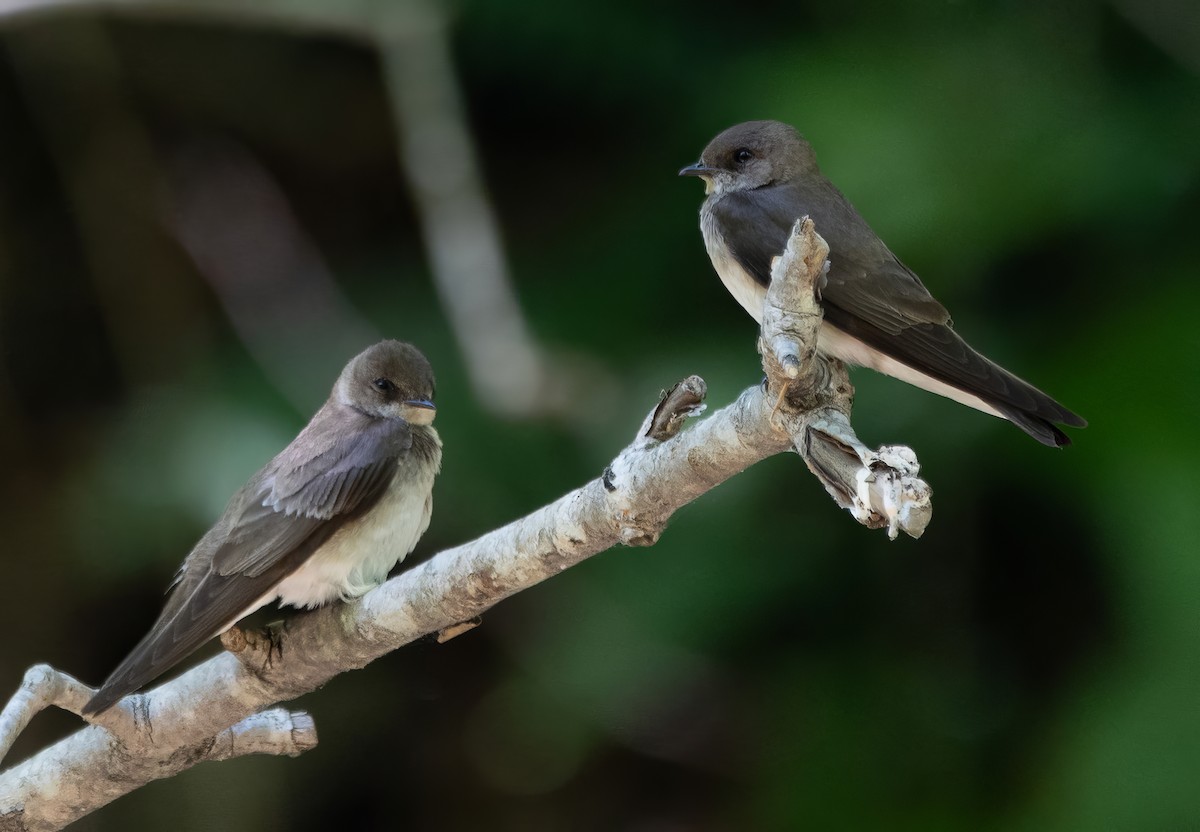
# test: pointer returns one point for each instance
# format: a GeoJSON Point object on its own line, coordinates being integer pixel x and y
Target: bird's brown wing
{"type": "Point", "coordinates": [878, 300]}
{"type": "Point", "coordinates": [325, 475]}
{"type": "Point", "coordinates": [757, 224]}
{"type": "Point", "coordinates": [331, 473]}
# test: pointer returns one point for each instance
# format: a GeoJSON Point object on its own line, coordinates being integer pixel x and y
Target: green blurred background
{"type": "Point", "coordinates": [1032, 663]}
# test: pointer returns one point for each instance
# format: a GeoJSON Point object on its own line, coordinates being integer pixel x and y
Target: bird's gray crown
{"type": "Point", "coordinates": [386, 381]}
{"type": "Point", "coordinates": [757, 153]}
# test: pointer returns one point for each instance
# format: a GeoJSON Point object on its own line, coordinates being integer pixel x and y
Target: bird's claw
{"type": "Point", "coordinates": [783, 390]}
{"type": "Point", "coordinates": [267, 640]}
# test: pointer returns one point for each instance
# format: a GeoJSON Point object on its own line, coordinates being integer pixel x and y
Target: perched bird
{"type": "Point", "coordinates": [327, 518]}
{"type": "Point", "coordinates": [762, 176]}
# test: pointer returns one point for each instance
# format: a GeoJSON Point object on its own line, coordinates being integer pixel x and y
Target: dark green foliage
{"type": "Point", "coordinates": [1029, 664]}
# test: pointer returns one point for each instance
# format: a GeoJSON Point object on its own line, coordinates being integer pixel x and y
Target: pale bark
{"type": "Point", "coordinates": [803, 405]}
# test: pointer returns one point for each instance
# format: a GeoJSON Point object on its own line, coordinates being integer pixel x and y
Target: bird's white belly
{"type": "Point", "coordinates": [744, 288]}
{"type": "Point", "coordinates": [359, 555]}
{"type": "Point", "coordinates": [832, 341]}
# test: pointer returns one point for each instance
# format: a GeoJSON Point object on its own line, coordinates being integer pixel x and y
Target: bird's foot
{"type": "Point", "coordinates": [267, 640]}
{"type": "Point", "coordinates": [272, 636]}
{"type": "Point", "coordinates": [783, 391]}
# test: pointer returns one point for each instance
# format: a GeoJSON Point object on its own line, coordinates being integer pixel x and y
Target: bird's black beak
{"type": "Point", "coordinates": [698, 169]}
{"type": "Point", "coordinates": [424, 404]}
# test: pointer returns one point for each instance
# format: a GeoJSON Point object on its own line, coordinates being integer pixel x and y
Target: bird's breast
{"type": "Point", "coordinates": [745, 289]}
{"type": "Point", "coordinates": [359, 555]}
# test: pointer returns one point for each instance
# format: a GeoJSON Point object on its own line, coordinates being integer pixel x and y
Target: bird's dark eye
{"type": "Point", "coordinates": [384, 385]}
{"type": "Point", "coordinates": [742, 155]}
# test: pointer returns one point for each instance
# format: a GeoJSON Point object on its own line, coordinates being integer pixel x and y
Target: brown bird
{"type": "Point", "coordinates": [762, 176]}
{"type": "Point", "coordinates": [325, 519]}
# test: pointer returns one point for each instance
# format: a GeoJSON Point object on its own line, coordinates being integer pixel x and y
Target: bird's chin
{"type": "Point", "coordinates": [417, 415]}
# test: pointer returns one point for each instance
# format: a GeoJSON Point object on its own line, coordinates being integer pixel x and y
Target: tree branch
{"type": "Point", "coordinates": [804, 405]}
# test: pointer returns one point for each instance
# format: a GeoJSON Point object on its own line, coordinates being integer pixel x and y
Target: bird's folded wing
{"type": "Point", "coordinates": [311, 484]}
{"type": "Point", "coordinates": [285, 513]}
{"type": "Point", "coordinates": [865, 279]}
